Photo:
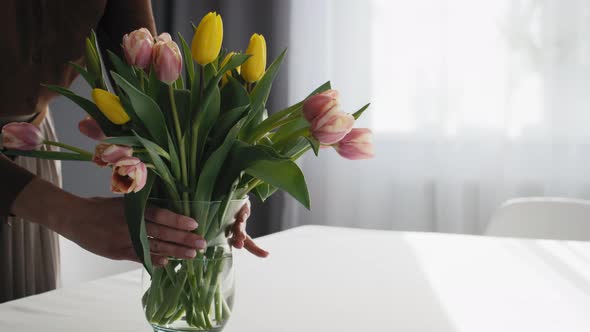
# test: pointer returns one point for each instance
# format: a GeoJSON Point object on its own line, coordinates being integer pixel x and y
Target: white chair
{"type": "Point", "coordinates": [542, 218]}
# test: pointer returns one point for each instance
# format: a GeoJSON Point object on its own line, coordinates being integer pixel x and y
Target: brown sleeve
{"type": "Point", "coordinates": [121, 17]}
{"type": "Point", "coordinates": [13, 179]}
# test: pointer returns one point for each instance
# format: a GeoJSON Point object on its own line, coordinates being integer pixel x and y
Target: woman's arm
{"type": "Point", "coordinates": [13, 179]}
{"type": "Point", "coordinates": [98, 224]}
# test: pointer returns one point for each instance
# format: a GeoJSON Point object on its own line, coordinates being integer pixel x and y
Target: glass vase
{"type": "Point", "coordinates": [195, 294]}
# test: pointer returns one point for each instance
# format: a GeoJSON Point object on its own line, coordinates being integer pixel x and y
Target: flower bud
{"type": "Point", "coordinates": [107, 154]}
{"type": "Point", "coordinates": [129, 175]}
{"type": "Point", "coordinates": [255, 66]}
{"type": "Point", "coordinates": [167, 59]}
{"type": "Point", "coordinates": [110, 105]}
{"type": "Point", "coordinates": [137, 46]}
{"type": "Point", "coordinates": [332, 126]}
{"type": "Point", "coordinates": [207, 39]}
{"type": "Point", "coordinates": [21, 136]}
{"type": "Point", "coordinates": [90, 128]}
{"type": "Point", "coordinates": [164, 37]}
{"type": "Point", "coordinates": [356, 145]}
{"type": "Point", "coordinates": [318, 105]}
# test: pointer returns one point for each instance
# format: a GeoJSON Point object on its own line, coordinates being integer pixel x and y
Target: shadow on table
{"type": "Point", "coordinates": [559, 266]}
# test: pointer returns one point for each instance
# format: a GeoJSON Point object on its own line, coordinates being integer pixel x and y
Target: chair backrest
{"type": "Point", "coordinates": [542, 218]}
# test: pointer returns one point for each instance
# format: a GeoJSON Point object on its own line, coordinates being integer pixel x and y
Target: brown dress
{"type": "Point", "coordinates": [38, 39]}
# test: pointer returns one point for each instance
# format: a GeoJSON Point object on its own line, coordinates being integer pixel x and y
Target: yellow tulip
{"type": "Point", "coordinates": [207, 39]}
{"type": "Point", "coordinates": [255, 66]}
{"type": "Point", "coordinates": [227, 74]}
{"type": "Point", "coordinates": [110, 105]}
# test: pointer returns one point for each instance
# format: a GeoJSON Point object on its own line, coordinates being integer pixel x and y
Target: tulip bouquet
{"type": "Point", "coordinates": [196, 141]}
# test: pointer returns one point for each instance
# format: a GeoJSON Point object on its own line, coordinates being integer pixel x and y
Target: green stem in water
{"type": "Point", "coordinates": [69, 147]}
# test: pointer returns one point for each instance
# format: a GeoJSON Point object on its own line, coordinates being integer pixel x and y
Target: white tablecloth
{"type": "Point", "coordinates": [335, 279]}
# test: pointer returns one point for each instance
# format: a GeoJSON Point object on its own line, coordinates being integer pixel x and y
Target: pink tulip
{"type": "Point", "coordinates": [108, 154]}
{"type": "Point", "coordinates": [129, 175]}
{"type": "Point", "coordinates": [167, 59]}
{"type": "Point", "coordinates": [318, 105]}
{"type": "Point", "coordinates": [332, 126]}
{"type": "Point", "coordinates": [91, 129]}
{"type": "Point", "coordinates": [356, 145]}
{"type": "Point", "coordinates": [137, 46]}
{"type": "Point", "coordinates": [164, 37]}
{"type": "Point", "coordinates": [332, 93]}
{"type": "Point", "coordinates": [21, 136]}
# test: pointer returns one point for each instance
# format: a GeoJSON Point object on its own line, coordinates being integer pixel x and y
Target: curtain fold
{"type": "Point", "coordinates": [241, 18]}
{"type": "Point", "coordinates": [474, 103]}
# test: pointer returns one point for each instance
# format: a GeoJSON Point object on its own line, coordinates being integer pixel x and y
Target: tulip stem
{"type": "Point", "coordinates": [141, 80]}
{"type": "Point", "coordinates": [181, 148]}
{"type": "Point", "coordinates": [69, 147]}
{"type": "Point", "coordinates": [264, 129]}
{"type": "Point", "coordinates": [251, 185]}
{"type": "Point", "coordinates": [300, 153]}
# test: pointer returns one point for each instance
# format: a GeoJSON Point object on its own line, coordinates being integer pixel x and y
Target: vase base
{"type": "Point", "coordinates": [186, 329]}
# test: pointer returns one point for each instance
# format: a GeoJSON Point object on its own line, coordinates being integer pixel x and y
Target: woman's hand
{"type": "Point", "coordinates": [100, 227]}
{"type": "Point", "coordinates": [240, 238]}
{"type": "Point", "coordinates": [98, 224]}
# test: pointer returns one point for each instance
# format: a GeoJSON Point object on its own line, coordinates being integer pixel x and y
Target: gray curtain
{"type": "Point", "coordinates": [241, 18]}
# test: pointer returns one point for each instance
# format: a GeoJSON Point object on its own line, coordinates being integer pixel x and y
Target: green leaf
{"type": "Point", "coordinates": [88, 77]}
{"type": "Point", "coordinates": [174, 162]}
{"type": "Point", "coordinates": [315, 144]}
{"type": "Point", "coordinates": [225, 122]}
{"type": "Point", "coordinates": [147, 111]}
{"type": "Point", "coordinates": [155, 86]}
{"type": "Point", "coordinates": [210, 173]}
{"type": "Point", "coordinates": [124, 140]}
{"type": "Point", "coordinates": [242, 156]}
{"type": "Point", "coordinates": [206, 119]}
{"type": "Point", "coordinates": [183, 104]}
{"type": "Point", "coordinates": [360, 112]}
{"type": "Point", "coordinates": [135, 204]}
{"type": "Point", "coordinates": [233, 95]}
{"type": "Point", "coordinates": [260, 94]}
{"type": "Point", "coordinates": [161, 167]}
{"type": "Point", "coordinates": [283, 174]}
{"type": "Point", "coordinates": [289, 128]}
{"type": "Point", "coordinates": [96, 56]}
{"type": "Point", "coordinates": [196, 91]}
{"type": "Point", "coordinates": [264, 190]}
{"type": "Point", "coordinates": [109, 128]}
{"type": "Point", "coordinates": [212, 79]}
{"type": "Point", "coordinates": [92, 59]}
{"type": "Point", "coordinates": [236, 60]}
{"type": "Point", "coordinates": [295, 146]}
{"type": "Point", "coordinates": [52, 155]}
{"type": "Point", "coordinates": [123, 69]}
{"type": "Point", "coordinates": [213, 166]}
{"type": "Point", "coordinates": [188, 60]}
{"type": "Point", "coordinates": [322, 88]}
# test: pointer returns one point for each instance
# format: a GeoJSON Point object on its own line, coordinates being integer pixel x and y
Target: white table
{"type": "Point", "coordinates": [334, 279]}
